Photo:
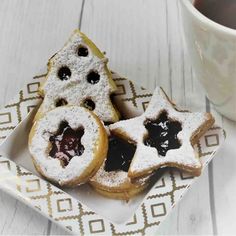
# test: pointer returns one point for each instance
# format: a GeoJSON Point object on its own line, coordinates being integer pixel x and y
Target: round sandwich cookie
{"type": "Point", "coordinates": [112, 180]}
{"type": "Point", "coordinates": [68, 145]}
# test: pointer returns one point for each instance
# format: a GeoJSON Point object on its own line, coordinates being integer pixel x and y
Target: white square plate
{"type": "Point", "coordinates": [81, 210]}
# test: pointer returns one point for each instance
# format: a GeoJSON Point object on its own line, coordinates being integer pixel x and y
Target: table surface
{"type": "Point", "coordinates": [143, 41]}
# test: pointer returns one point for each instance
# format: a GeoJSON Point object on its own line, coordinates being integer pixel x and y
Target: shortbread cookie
{"type": "Point", "coordinates": [121, 194]}
{"type": "Point", "coordinates": [112, 180]}
{"type": "Point", "coordinates": [78, 75]}
{"type": "Point", "coordinates": [68, 145]}
{"type": "Point", "coordinates": [164, 136]}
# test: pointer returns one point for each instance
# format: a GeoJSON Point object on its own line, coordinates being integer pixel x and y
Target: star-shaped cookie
{"type": "Point", "coordinates": [164, 136]}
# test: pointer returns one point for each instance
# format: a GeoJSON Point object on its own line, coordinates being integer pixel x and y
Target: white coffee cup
{"type": "Point", "coordinates": [212, 49]}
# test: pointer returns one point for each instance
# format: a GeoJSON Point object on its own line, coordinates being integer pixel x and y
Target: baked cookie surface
{"type": "Point", "coordinates": [68, 145]}
{"type": "Point", "coordinates": [78, 75]}
{"type": "Point", "coordinates": [164, 136]}
{"type": "Point", "coordinates": [112, 180]}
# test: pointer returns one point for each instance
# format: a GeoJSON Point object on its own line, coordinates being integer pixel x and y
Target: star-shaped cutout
{"type": "Point", "coordinates": [164, 136]}
{"type": "Point", "coordinates": [162, 133]}
{"type": "Point", "coordinates": [66, 143]}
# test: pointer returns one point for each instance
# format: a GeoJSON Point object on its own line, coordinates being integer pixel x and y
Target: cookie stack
{"type": "Point", "coordinates": [77, 137]}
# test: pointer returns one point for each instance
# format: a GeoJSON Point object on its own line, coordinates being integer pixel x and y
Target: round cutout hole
{"type": "Point", "coordinates": [89, 104]}
{"type": "Point", "coordinates": [82, 51]}
{"type": "Point", "coordinates": [64, 73]}
{"type": "Point", "coordinates": [61, 102]}
{"type": "Point", "coordinates": [93, 77]}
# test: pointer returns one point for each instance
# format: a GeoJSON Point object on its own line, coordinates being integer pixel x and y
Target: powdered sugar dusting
{"type": "Point", "coordinates": [110, 179]}
{"type": "Point", "coordinates": [76, 89]}
{"type": "Point", "coordinates": [114, 179]}
{"type": "Point", "coordinates": [48, 125]}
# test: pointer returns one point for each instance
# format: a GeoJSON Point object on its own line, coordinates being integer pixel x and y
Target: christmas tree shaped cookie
{"type": "Point", "coordinates": [78, 75]}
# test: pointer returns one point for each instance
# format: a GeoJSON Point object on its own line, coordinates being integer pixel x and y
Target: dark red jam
{"type": "Point", "coordinates": [93, 77]}
{"type": "Point", "coordinates": [162, 133]}
{"type": "Point", "coordinates": [66, 143]}
{"type": "Point", "coordinates": [61, 102]}
{"type": "Point", "coordinates": [89, 104]}
{"type": "Point", "coordinates": [120, 154]}
{"type": "Point", "coordinates": [64, 73]}
{"type": "Point", "coordinates": [82, 51]}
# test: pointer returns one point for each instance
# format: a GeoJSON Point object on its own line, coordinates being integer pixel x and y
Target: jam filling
{"type": "Point", "coordinates": [61, 102]}
{"type": "Point", "coordinates": [89, 104]}
{"type": "Point", "coordinates": [93, 77]}
{"type": "Point", "coordinates": [64, 73]}
{"type": "Point", "coordinates": [162, 133]}
{"type": "Point", "coordinates": [120, 154]}
{"type": "Point", "coordinates": [66, 143]}
{"type": "Point", "coordinates": [82, 51]}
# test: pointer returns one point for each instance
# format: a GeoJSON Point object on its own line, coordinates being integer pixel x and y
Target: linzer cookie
{"type": "Point", "coordinates": [164, 136]}
{"type": "Point", "coordinates": [78, 75]}
{"type": "Point", "coordinates": [68, 145]}
{"type": "Point", "coordinates": [112, 179]}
